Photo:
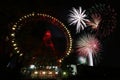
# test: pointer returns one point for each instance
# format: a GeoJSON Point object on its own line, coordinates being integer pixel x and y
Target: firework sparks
{"type": "Point", "coordinates": [88, 46]}
{"type": "Point", "coordinates": [94, 23]}
{"type": "Point", "coordinates": [78, 17]}
{"type": "Point", "coordinates": [104, 19]}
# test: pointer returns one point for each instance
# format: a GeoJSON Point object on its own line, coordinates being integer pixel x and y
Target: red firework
{"type": "Point", "coordinates": [102, 19]}
{"type": "Point", "coordinates": [86, 44]}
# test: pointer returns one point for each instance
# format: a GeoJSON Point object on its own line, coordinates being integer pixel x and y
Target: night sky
{"type": "Point", "coordinates": [12, 10]}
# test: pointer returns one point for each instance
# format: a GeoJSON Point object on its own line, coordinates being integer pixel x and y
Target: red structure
{"type": "Point", "coordinates": [47, 41]}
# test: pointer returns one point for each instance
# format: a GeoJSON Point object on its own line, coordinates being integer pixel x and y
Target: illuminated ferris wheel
{"type": "Point", "coordinates": [40, 40]}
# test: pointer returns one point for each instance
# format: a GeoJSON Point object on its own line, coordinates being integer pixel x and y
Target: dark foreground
{"type": "Point", "coordinates": [84, 73]}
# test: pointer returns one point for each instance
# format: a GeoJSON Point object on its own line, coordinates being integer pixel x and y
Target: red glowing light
{"type": "Point", "coordinates": [47, 40]}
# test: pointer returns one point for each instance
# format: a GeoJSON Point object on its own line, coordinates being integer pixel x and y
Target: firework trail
{"type": "Point", "coordinates": [88, 45]}
{"type": "Point", "coordinates": [102, 19]}
{"type": "Point", "coordinates": [78, 17]}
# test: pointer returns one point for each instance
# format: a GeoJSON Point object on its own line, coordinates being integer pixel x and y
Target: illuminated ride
{"type": "Point", "coordinates": [42, 42]}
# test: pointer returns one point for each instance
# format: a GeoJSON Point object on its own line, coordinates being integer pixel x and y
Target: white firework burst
{"type": "Point", "coordinates": [78, 17]}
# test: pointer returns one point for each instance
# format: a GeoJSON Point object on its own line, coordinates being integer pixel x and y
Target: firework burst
{"type": "Point", "coordinates": [94, 23]}
{"type": "Point", "coordinates": [103, 19]}
{"type": "Point", "coordinates": [78, 17]}
{"type": "Point", "coordinates": [88, 45]}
